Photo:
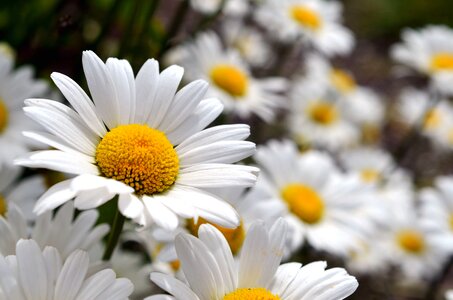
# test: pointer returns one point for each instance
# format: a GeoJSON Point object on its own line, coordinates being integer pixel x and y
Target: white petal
{"type": "Point", "coordinates": [173, 286]}
{"type": "Point", "coordinates": [146, 89]}
{"type": "Point", "coordinates": [77, 97]}
{"type": "Point", "coordinates": [72, 275]}
{"type": "Point", "coordinates": [54, 197]}
{"type": "Point", "coordinates": [101, 88]}
{"type": "Point", "coordinates": [130, 206]}
{"type": "Point", "coordinates": [96, 284]}
{"type": "Point", "coordinates": [163, 216]}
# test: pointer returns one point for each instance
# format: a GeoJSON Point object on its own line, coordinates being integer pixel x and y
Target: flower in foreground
{"type": "Point", "coordinates": [140, 139]}
{"type": "Point", "coordinates": [35, 274]}
{"type": "Point", "coordinates": [212, 274]}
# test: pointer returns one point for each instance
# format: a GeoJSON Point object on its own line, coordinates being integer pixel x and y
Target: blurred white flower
{"type": "Point", "coordinates": [315, 21]}
{"type": "Point", "coordinates": [230, 78]}
{"type": "Point", "coordinates": [15, 87]}
{"type": "Point", "coordinates": [430, 52]}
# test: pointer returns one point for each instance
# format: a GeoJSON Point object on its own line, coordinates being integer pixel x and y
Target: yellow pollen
{"type": "Point", "coordinates": [3, 115]}
{"type": "Point", "coordinates": [235, 237]}
{"type": "Point", "coordinates": [139, 156]}
{"type": "Point", "coordinates": [175, 264]}
{"type": "Point", "coordinates": [323, 113]}
{"type": "Point", "coordinates": [411, 241]}
{"type": "Point", "coordinates": [433, 118]}
{"type": "Point", "coordinates": [442, 62]}
{"type": "Point", "coordinates": [230, 79]}
{"type": "Point", "coordinates": [342, 81]}
{"type": "Point", "coordinates": [251, 294]}
{"type": "Point", "coordinates": [304, 202]}
{"type": "Point", "coordinates": [369, 175]}
{"type": "Point", "coordinates": [305, 16]}
{"type": "Point", "coordinates": [3, 207]}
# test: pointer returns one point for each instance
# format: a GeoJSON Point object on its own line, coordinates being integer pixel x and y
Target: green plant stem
{"type": "Point", "coordinates": [129, 29]}
{"type": "Point", "coordinates": [176, 22]}
{"type": "Point", "coordinates": [115, 232]}
{"type": "Point", "coordinates": [144, 30]}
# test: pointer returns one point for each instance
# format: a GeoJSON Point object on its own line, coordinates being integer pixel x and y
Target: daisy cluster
{"type": "Point", "coordinates": [236, 165]}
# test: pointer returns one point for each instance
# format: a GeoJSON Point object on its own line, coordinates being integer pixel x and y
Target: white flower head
{"type": "Point", "coordinates": [34, 274]}
{"type": "Point", "coordinates": [430, 52]}
{"type": "Point", "coordinates": [316, 21]}
{"type": "Point", "coordinates": [230, 78]}
{"type": "Point", "coordinates": [323, 205]}
{"type": "Point", "coordinates": [15, 87]}
{"type": "Point", "coordinates": [211, 272]}
{"type": "Point", "coordinates": [140, 139]}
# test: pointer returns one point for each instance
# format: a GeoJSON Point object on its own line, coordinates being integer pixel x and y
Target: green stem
{"type": "Point", "coordinates": [129, 29]}
{"type": "Point", "coordinates": [115, 232]}
{"type": "Point", "coordinates": [176, 22]}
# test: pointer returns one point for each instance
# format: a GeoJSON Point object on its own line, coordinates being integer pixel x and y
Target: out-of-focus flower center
{"type": "Point", "coordinates": [3, 207]}
{"type": "Point", "coordinates": [304, 202]}
{"type": "Point", "coordinates": [3, 115]}
{"type": "Point", "coordinates": [450, 221]}
{"type": "Point", "coordinates": [139, 156]}
{"type": "Point", "coordinates": [342, 81]}
{"type": "Point", "coordinates": [235, 237]}
{"type": "Point", "coordinates": [442, 62]}
{"type": "Point", "coordinates": [369, 175]}
{"type": "Point", "coordinates": [305, 16]}
{"type": "Point", "coordinates": [230, 79]}
{"type": "Point", "coordinates": [323, 113]}
{"type": "Point", "coordinates": [251, 294]}
{"type": "Point", "coordinates": [433, 118]}
{"type": "Point", "coordinates": [411, 241]}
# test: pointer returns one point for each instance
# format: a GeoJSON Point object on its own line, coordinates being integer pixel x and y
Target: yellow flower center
{"type": "Point", "coordinates": [323, 113]}
{"type": "Point", "coordinates": [3, 207]}
{"type": "Point", "coordinates": [342, 81]}
{"type": "Point", "coordinates": [304, 202]}
{"type": "Point", "coordinates": [411, 241]}
{"type": "Point", "coordinates": [251, 294]}
{"type": "Point", "coordinates": [305, 16]}
{"type": "Point", "coordinates": [442, 62]}
{"type": "Point", "coordinates": [433, 118]}
{"type": "Point", "coordinates": [139, 156]}
{"type": "Point", "coordinates": [450, 220]}
{"type": "Point", "coordinates": [235, 237]}
{"type": "Point", "coordinates": [230, 79]}
{"type": "Point", "coordinates": [369, 175]}
{"type": "Point", "coordinates": [3, 115]}
{"type": "Point", "coordinates": [175, 264]}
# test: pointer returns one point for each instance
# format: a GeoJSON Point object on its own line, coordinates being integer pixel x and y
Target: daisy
{"type": "Point", "coordinates": [212, 274]}
{"type": "Point", "coordinates": [230, 78]}
{"type": "Point", "coordinates": [430, 52]}
{"type": "Point", "coordinates": [413, 245]}
{"type": "Point", "coordinates": [22, 193]}
{"type": "Point", "coordinates": [141, 140]}
{"type": "Point", "coordinates": [323, 205]}
{"type": "Point", "coordinates": [318, 118]}
{"type": "Point", "coordinates": [15, 86]}
{"type": "Point", "coordinates": [316, 21]}
{"type": "Point", "coordinates": [415, 109]}
{"type": "Point", "coordinates": [42, 274]}
{"type": "Point", "coordinates": [249, 42]}
{"type": "Point", "coordinates": [63, 231]}
{"type": "Point", "coordinates": [437, 205]}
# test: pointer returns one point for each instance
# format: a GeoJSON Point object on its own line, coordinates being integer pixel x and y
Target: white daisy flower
{"type": "Point", "coordinates": [323, 205]}
{"type": "Point", "coordinates": [22, 193]}
{"type": "Point", "coordinates": [414, 105]}
{"type": "Point", "coordinates": [437, 205]}
{"type": "Point", "coordinates": [449, 295]}
{"type": "Point", "coordinates": [230, 78]}
{"type": "Point", "coordinates": [318, 118]}
{"type": "Point", "coordinates": [417, 249]}
{"type": "Point", "coordinates": [430, 52]}
{"type": "Point", "coordinates": [249, 42]}
{"type": "Point", "coordinates": [212, 273]}
{"type": "Point", "coordinates": [34, 274]}
{"type": "Point", "coordinates": [361, 104]}
{"type": "Point", "coordinates": [15, 86]}
{"type": "Point", "coordinates": [63, 231]}
{"type": "Point", "coordinates": [316, 21]}
{"type": "Point", "coordinates": [141, 140]}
